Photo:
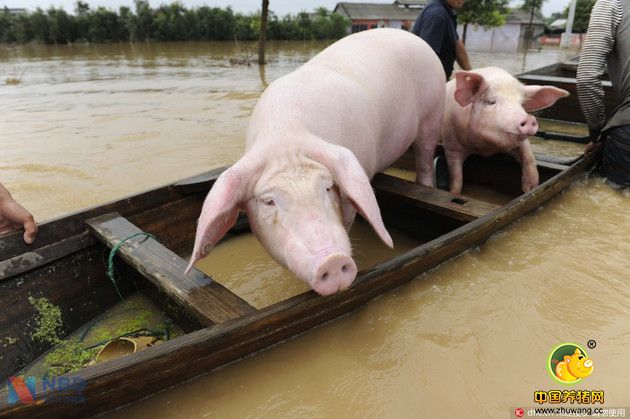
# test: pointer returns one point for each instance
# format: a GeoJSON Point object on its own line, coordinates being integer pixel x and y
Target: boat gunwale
{"type": "Point", "coordinates": [553, 79]}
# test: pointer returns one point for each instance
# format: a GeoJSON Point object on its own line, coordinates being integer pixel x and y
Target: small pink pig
{"type": "Point", "coordinates": [486, 112]}
{"type": "Point", "coordinates": [315, 139]}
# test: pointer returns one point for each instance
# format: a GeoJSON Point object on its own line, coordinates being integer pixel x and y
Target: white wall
{"type": "Point", "coordinates": [502, 39]}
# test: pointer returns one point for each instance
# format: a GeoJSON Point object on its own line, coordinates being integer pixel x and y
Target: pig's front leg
{"type": "Point", "coordinates": [525, 156]}
{"type": "Point", "coordinates": [455, 161]}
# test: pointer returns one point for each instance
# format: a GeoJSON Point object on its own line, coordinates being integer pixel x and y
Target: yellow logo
{"type": "Point", "coordinates": [568, 363]}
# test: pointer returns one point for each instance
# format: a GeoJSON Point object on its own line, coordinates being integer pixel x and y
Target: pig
{"type": "Point", "coordinates": [486, 112]}
{"type": "Point", "coordinates": [315, 139]}
{"type": "Point", "coordinates": [574, 367]}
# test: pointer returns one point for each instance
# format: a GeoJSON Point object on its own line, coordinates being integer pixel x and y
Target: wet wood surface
{"type": "Point", "coordinates": [204, 298]}
{"type": "Point", "coordinates": [436, 200]}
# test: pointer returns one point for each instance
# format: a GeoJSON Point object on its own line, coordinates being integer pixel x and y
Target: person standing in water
{"type": "Point", "coordinates": [608, 43]}
{"type": "Point", "coordinates": [437, 26]}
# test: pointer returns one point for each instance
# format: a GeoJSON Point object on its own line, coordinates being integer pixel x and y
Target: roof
{"type": "Point", "coordinates": [374, 11]}
{"type": "Point", "coordinates": [411, 3]}
{"type": "Point", "coordinates": [522, 16]}
{"type": "Point", "coordinates": [558, 24]}
{"type": "Point", "coordinates": [15, 10]}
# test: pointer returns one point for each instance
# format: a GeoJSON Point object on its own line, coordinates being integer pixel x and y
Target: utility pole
{"type": "Point", "coordinates": [568, 32]}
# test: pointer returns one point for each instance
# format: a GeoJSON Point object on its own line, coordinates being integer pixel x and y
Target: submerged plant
{"type": "Point", "coordinates": [48, 320]}
{"type": "Point", "coordinates": [69, 356]}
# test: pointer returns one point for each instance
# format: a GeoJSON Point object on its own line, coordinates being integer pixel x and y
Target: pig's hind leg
{"type": "Point", "coordinates": [425, 144]}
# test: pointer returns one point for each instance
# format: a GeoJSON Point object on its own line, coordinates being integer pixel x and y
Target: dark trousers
{"type": "Point", "coordinates": [615, 163]}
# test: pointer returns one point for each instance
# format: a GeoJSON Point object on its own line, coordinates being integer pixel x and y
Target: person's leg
{"type": "Point", "coordinates": [615, 163]}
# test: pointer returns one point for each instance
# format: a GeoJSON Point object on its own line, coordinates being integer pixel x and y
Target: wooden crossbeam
{"type": "Point", "coordinates": [201, 296]}
{"type": "Point", "coordinates": [436, 200]}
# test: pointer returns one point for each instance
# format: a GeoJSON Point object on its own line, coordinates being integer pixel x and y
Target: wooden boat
{"type": "Point", "coordinates": [66, 265]}
{"type": "Point", "coordinates": [563, 75]}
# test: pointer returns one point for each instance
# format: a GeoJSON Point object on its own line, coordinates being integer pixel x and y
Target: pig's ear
{"type": "Point", "coordinates": [220, 209]}
{"type": "Point", "coordinates": [541, 97]}
{"type": "Point", "coordinates": [468, 85]}
{"type": "Point", "coordinates": [352, 180]}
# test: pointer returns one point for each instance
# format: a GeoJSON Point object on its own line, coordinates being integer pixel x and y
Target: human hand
{"type": "Point", "coordinates": [14, 216]}
{"type": "Point", "coordinates": [592, 147]}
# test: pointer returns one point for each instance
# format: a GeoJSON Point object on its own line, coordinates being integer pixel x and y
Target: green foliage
{"type": "Point", "coordinates": [527, 6]}
{"type": "Point", "coordinates": [486, 13]}
{"type": "Point", "coordinates": [582, 15]}
{"type": "Point", "coordinates": [168, 22]}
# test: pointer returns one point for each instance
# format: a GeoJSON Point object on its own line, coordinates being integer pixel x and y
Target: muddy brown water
{"type": "Point", "coordinates": [88, 124]}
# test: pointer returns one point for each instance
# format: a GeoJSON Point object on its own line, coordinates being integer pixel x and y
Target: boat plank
{"type": "Point", "coordinates": [443, 202]}
{"type": "Point", "coordinates": [204, 298]}
{"type": "Point", "coordinates": [46, 254]}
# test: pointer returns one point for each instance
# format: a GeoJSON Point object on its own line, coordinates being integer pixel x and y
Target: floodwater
{"type": "Point", "coordinates": [88, 124]}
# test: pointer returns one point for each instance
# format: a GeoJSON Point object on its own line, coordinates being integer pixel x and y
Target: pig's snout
{"type": "Point", "coordinates": [588, 363]}
{"type": "Point", "coordinates": [335, 273]}
{"type": "Point", "coordinates": [528, 126]}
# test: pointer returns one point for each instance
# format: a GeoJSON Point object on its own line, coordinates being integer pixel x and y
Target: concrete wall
{"type": "Point", "coordinates": [365, 24]}
{"type": "Point", "coordinates": [502, 39]}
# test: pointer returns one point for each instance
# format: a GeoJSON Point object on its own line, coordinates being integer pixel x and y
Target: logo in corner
{"type": "Point", "coordinates": [568, 363]}
{"type": "Point", "coordinates": [21, 389]}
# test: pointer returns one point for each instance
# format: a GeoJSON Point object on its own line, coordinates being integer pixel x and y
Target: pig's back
{"type": "Point", "coordinates": [368, 92]}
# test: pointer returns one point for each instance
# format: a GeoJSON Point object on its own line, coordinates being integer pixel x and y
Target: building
{"type": "Point", "coordinates": [511, 37]}
{"type": "Point", "coordinates": [14, 11]}
{"type": "Point", "coordinates": [400, 14]}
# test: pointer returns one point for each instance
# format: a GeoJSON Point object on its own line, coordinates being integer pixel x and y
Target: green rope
{"type": "Point", "coordinates": [112, 253]}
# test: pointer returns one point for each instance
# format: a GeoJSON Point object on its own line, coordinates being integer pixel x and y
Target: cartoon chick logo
{"type": "Point", "coordinates": [568, 363]}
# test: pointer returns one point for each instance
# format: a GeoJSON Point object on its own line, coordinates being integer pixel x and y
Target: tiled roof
{"type": "Point", "coordinates": [411, 3]}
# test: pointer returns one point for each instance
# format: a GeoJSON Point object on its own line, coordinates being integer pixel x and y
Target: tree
{"type": "Point", "coordinates": [263, 31]}
{"type": "Point", "coordinates": [62, 28]}
{"type": "Point", "coordinates": [143, 27]}
{"type": "Point", "coordinates": [40, 26]}
{"type": "Point", "coordinates": [528, 5]}
{"type": "Point", "coordinates": [169, 22]}
{"type": "Point", "coordinates": [486, 13]}
{"type": "Point", "coordinates": [533, 7]}
{"type": "Point", "coordinates": [582, 15]}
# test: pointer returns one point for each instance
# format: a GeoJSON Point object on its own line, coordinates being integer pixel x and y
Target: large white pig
{"type": "Point", "coordinates": [314, 140]}
{"type": "Point", "coordinates": [486, 112]}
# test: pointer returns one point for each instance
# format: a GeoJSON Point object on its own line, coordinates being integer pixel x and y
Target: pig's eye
{"type": "Point", "coordinates": [269, 202]}
{"type": "Point", "coordinates": [490, 101]}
